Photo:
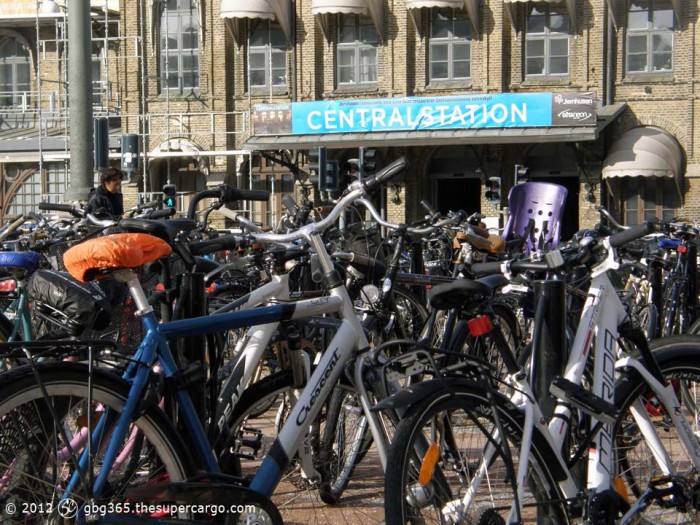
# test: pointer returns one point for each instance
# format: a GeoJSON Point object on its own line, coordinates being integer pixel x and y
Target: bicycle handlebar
{"type": "Point", "coordinates": [635, 232]}
{"type": "Point", "coordinates": [225, 242]}
{"type": "Point", "coordinates": [226, 194]}
{"type": "Point", "coordinates": [73, 210]}
{"type": "Point", "coordinates": [415, 231]}
{"type": "Point", "coordinates": [356, 190]}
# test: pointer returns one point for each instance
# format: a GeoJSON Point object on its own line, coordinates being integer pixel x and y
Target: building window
{"type": "Point", "coordinates": [179, 46]}
{"type": "Point", "coordinates": [357, 50]}
{"type": "Point", "coordinates": [38, 187]}
{"type": "Point", "coordinates": [450, 45]}
{"type": "Point", "coordinates": [650, 36]}
{"type": "Point", "coordinates": [644, 198]}
{"type": "Point", "coordinates": [268, 55]}
{"type": "Point", "coordinates": [14, 73]}
{"type": "Point", "coordinates": [547, 41]}
{"type": "Point", "coordinates": [99, 88]}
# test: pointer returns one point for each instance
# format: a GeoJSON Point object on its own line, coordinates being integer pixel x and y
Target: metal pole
{"type": "Point", "coordinates": [80, 101]}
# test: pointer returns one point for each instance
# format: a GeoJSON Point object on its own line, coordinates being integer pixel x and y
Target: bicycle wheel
{"type": "Point", "coordinates": [410, 312]}
{"type": "Point", "coordinates": [250, 437]}
{"type": "Point", "coordinates": [437, 471]}
{"type": "Point", "coordinates": [679, 360]}
{"type": "Point", "coordinates": [36, 462]}
{"type": "Point", "coordinates": [346, 439]}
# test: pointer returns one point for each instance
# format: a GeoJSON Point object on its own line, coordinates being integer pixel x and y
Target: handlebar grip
{"type": "Point", "coordinates": [487, 268]}
{"type": "Point", "coordinates": [633, 233]}
{"type": "Point", "coordinates": [50, 206]}
{"type": "Point", "coordinates": [147, 205]}
{"type": "Point", "coordinates": [385, 174]}
{"type": "Point", "coordinates": [254, 195]}
{"type": "Point", "coordinates": [225, 242]}
{"type": "Point", "coordinates": [162, 214]}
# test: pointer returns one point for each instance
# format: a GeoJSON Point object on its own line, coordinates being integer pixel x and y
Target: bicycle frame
{"type": "Point", "coordinates": [598, 328]}
{"type": "Point", "coordinates": [349, 339]}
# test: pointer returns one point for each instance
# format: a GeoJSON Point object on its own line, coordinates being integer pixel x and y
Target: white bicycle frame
{"type": "Point", "coordinates": [602, 314]}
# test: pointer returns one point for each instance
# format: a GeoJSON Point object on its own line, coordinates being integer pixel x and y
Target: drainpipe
{"type": "Point", "coordinates": [80, 101]}
{"type": "Point", "coordinates": [609, 56]}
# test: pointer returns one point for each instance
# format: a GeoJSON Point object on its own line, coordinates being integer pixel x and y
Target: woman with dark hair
{"type": "Point", "coordinates": [107, 198]}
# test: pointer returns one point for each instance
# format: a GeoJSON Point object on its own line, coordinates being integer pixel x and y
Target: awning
{"type": "Point", "coordinates": [612, 10]}
{"type": "Point", "coordinates": [278, 10]}
{"type": "Point", "coordinates": [322, 9]}
{"type": "Point", "coordinates": [605, 115]}
{"type": "Point", "coordinates": [570, 7]}
{"type": "Point", "coordinates": [472, 7]}
{"type": "Point", "coordinates": [645, 151]}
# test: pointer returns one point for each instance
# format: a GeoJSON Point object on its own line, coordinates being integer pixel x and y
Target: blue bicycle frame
{"type": "Point", "coordinates": [155, 348]}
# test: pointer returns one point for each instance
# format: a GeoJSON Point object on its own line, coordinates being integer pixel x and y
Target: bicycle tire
{"type": "Point", "coordinates": [679, 360]}
{"type": "Point", "coordinates": [469, 413]}
{"type": "Point", "coordinates": [345, 441]}
{"type": "Point", "coordinates": [35, 454]}
{"type": "Point", "coordinates": [410, 310]}
{"type": "Point", "coordinates": [249, 437]}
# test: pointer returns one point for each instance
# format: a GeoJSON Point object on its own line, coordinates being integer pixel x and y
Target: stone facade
{"type": "Point", "coordinates": [210, 125]}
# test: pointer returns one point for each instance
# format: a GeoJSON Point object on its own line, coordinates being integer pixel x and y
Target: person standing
{"type": "Point", "coordinates": [107, 198]}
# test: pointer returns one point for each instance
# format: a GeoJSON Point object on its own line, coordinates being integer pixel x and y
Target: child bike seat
{"type": "Point", "coordinates": [94, 258]}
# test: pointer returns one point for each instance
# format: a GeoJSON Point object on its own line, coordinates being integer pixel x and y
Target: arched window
{"type": "Point", "coordinates": [179, 46]}
{"type": "Point", "coordinates": [14, 72]}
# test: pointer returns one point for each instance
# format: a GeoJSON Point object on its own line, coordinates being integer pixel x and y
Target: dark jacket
{"type": "Point", "coordinates": [101, 202]}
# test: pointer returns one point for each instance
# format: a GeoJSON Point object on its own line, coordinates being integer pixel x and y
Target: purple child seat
{"type": "Point", "coordinates": [541, 203]}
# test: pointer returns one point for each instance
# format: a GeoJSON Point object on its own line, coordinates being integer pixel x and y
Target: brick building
{"type": "Point", "coordinates": [194, 78]}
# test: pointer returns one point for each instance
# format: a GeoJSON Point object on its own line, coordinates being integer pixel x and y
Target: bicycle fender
{"type": "Point", "coordinates": [415, 393]}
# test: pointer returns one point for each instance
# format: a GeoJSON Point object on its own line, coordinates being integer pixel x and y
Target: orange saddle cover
{"type": "Point", "coordinates": [120, 250]}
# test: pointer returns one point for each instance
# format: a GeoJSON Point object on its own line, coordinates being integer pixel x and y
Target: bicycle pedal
{"type": "Point", "coordinates": [251, 444]}
{"type": "Point", "coordinates": [660, 488]}
{"type": "Point", "coordinates": [584, 400]}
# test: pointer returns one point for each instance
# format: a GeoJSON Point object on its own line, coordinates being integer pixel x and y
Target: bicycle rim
{"type": "Point", "coordinates": [635, 456]}
{"type": "Point", "coordinates": [35, 456]}
{"type": "Point", "coordinates": [437, 473]}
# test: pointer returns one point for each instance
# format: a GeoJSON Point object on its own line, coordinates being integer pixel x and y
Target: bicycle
{"type": "Point", "coordinates": [58, 393]}
{"type": "Point", "coordinates": [521, 465]}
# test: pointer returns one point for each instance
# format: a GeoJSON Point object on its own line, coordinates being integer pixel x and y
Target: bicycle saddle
{"type": "Point", "coordinates": [465, 293]}
{"type": "Point", "coordinates": [27, 262]}
{"type": "Point", "coordinates": [163, 229]}
{"type": "Point", "coordinates": [93, 259]}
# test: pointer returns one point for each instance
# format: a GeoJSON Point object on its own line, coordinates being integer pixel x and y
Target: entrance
{"type": "Point", "coordinates": [457, 192]}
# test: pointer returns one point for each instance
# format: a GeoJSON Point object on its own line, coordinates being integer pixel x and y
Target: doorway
{"type": "Point", "coordinates": [455, 192]}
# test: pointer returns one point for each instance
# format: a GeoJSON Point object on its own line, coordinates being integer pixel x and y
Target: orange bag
{"type": "Point", "coordinates": [120, 250]}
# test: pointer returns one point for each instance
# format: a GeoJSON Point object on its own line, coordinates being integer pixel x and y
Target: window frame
{"type": "Point", "coordinates": [547, 36]}
{"type": "Point", "coordinates": [649, 32]}
{"type": "Point", "coordinates": [165, 53]}
{"type": "Point", "coordinates": [15, 61]}
{"type": "Point", "coordinates": [358, 47]}
{"type": "Point", "coordinates": [665, 204]}
{"type": "Point", "coordinates": [268, 50]}
{"type": "Point", "coordinates": [450, 42]}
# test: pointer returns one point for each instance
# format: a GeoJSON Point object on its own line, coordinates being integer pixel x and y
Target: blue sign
{"type": "Point", "coordinates": [498, 110]}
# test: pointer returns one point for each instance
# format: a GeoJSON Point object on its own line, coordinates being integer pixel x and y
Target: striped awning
{"type": "Point", "coordinates": [471, 6]}
{"type": "Point", "coordinates": [570, 7]}
{"type": "Point", "coordinates": [322, 9]}
{"type": "Point", "coordinates": [277, 10]}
